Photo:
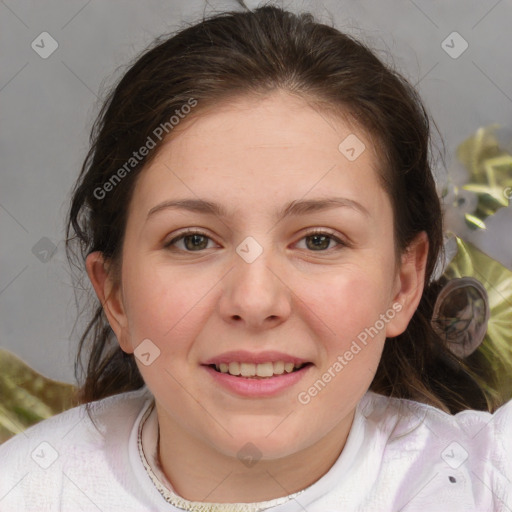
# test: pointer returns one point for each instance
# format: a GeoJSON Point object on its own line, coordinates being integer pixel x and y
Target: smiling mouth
{"type": "Point", "coordinates": [258, 371]}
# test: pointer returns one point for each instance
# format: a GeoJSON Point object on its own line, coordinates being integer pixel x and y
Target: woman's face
{"type": "Point", "coordinates": [255, 279]}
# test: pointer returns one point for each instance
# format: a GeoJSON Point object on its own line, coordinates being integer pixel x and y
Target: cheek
{"type": "Point", "coordinates": [167, 304]}
{"type": "Point", "coordinates": [345, 321]}
{"type": "Point", "coordinates": [347, 303]}
{"type": "Point", "coordinates": [164, 303]}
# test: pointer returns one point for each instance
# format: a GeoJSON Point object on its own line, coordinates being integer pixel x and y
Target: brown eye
{"type": "Point", "coordinates": [319, 241]}
{"type": "Point", "coordinates": [196, 241]}
{"type": "Point", "coordinates": [193, 241]}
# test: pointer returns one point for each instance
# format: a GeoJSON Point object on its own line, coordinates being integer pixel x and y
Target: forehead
{"type": "Point", "coordinates": [277, 121]}
{"type": "Point", "coordinates": [257, 149]}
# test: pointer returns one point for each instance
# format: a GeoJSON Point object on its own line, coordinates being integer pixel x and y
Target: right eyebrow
{"type": "Point", "coordinates": [294, 208]}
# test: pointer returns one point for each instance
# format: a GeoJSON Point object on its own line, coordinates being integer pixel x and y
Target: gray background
{"type": "Point", "coordinates": [48, 106]}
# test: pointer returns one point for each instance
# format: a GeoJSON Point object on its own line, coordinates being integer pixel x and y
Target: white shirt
{"type": "Point", "coordinates": [400, 455]}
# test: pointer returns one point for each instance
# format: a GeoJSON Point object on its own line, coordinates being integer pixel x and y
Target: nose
{"type": "Point", "coordinates": [256, 293]}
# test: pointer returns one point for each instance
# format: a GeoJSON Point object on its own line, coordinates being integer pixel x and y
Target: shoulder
{"type": "Point", "coordinates": [41, 459]}
{"type": "Point", "coordinates": [400, 415]}
{"type": "Point", "coordinates": [468, 452]}
{"type": "Point", "coordinates": [76, 426]}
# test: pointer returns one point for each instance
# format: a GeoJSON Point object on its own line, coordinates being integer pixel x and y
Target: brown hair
{"type": "Point", "coordinates": [257, 52]}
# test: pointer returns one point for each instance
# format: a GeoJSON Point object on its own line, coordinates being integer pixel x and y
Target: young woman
{"type": "Point", "coordinates": [259, 221]}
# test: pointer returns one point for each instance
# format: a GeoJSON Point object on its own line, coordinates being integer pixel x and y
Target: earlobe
{"type": "Point", "coordinates": [109, 294]}
{"type": "Point", "coordinates": [410, 284]}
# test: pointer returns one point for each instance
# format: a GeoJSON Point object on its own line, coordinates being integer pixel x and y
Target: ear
{"type": "Point", "coordinates": [409, 285]}
{"type": "Point", "coordinates": [110, 295]}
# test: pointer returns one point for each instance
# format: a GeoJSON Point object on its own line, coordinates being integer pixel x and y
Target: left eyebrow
{"type": "Point", "coordinates": [294, 208]}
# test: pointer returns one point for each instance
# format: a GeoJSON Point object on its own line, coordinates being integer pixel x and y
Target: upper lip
{"type": "Point", "coordinates": [242, 356]}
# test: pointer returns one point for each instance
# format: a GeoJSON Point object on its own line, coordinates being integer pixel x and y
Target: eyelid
{"type": "Point", "coordinates": [340, 239]}
{"type": "Point", "coordinates": [187, 232]}
{"type": "Point", "coordinates": [335, 236]}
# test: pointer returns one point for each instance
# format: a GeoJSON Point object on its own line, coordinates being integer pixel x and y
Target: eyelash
{"type": "Point", "coordinates": [181, 236]}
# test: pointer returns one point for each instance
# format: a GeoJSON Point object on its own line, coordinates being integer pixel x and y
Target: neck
{"type": "Point", "coordinates": [199, 472]}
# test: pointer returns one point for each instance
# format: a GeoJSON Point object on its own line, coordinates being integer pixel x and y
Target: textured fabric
{"type": "Point", "coordinates": [400, 455]}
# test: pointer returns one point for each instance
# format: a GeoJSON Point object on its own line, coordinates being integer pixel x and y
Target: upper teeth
{"type": "Point", "coordinates": [260, 370]}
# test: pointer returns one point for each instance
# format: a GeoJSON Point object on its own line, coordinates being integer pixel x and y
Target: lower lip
{"type": "Point", "coordinates": [257, 388]}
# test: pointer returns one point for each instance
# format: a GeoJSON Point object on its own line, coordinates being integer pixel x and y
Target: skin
{"type": "Point", "coordinates": [254, 156]}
